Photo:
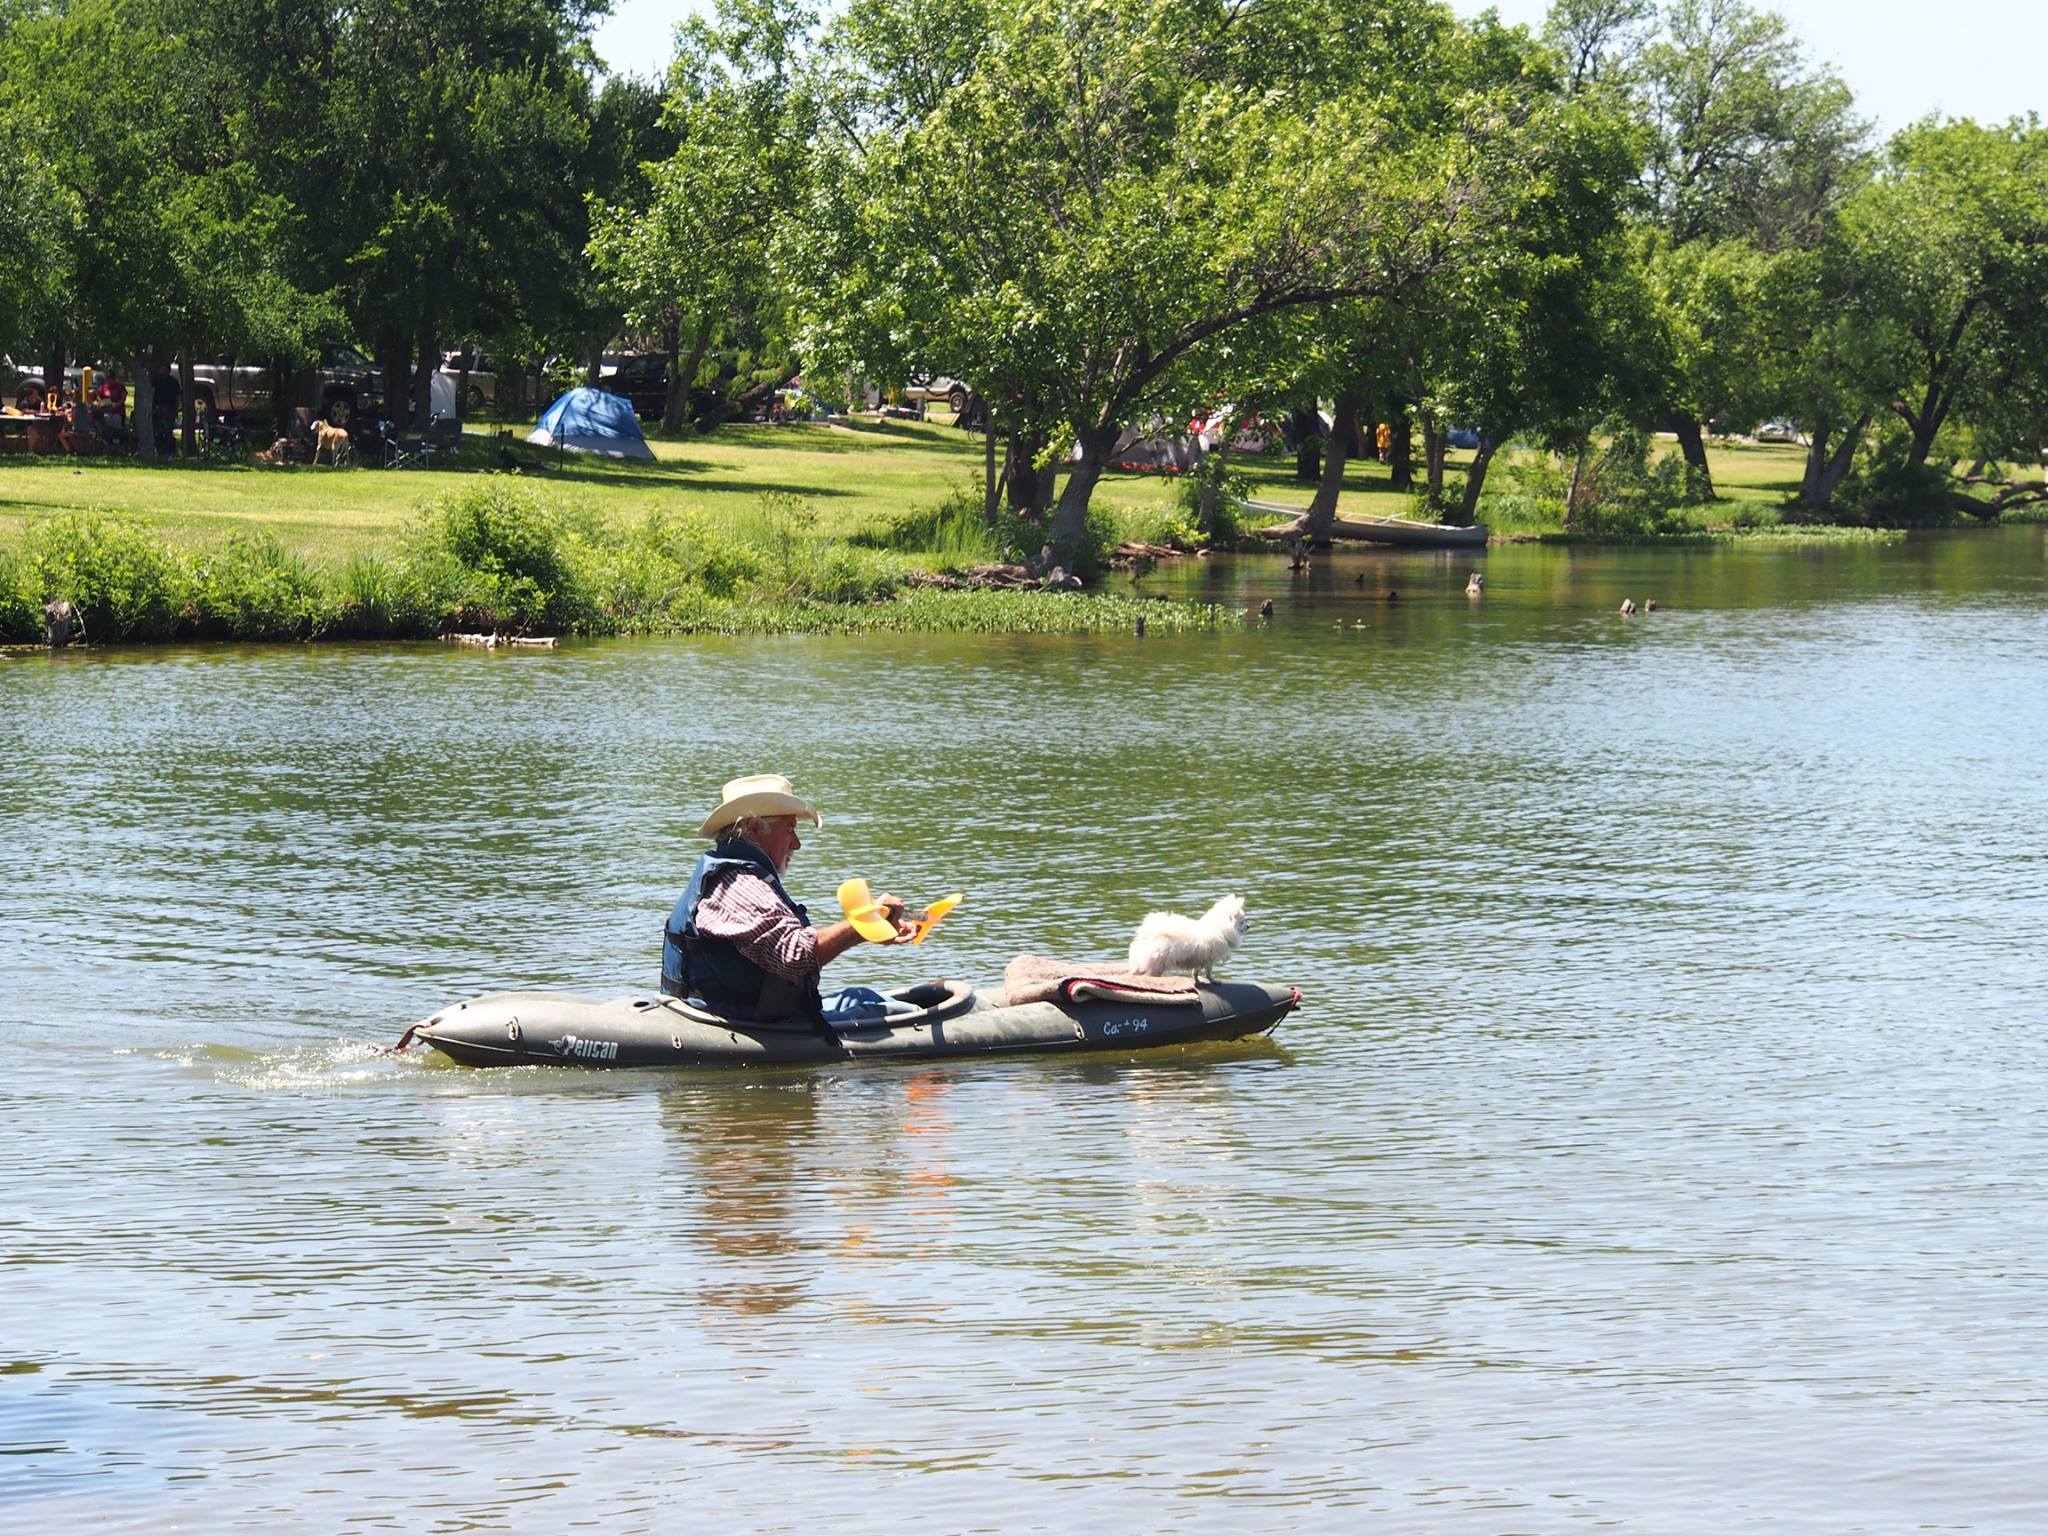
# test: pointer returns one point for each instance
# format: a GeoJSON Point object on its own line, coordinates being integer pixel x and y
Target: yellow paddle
{"type": "Point", "coordinates": [933, 915]}
{"type": "Point", "coordinates": [865, 913]}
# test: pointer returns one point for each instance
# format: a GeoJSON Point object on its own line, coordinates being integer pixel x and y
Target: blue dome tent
{"type": "Point", "coordinates": [591, 421]}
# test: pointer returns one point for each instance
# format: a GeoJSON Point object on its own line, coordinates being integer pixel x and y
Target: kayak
{"type": "Point", "coordinates": [560, 1029]}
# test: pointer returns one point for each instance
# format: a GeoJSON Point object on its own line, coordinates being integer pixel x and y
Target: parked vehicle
{"type": "Point", "coordinates": [16, 380]}
{"type": "Point", "coordinates": [1461, 437]}
{"type": "Point", "coordinates": [924, 388]}
{"type": "Point", "coordinates": [1778, 432]}
{"type": "Point", "coordinates": [480, 387]}
{"type": "Point", "coordinates": [344, 382]}
{"type": "Point", "coordinates": [643, 380]}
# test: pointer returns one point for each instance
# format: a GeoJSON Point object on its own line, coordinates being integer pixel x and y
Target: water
{"type": "Point", "coordinates": [1660, 1148]}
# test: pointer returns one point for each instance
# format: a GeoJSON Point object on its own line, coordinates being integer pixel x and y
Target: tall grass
{"type": "Point", "coordinates": [492, 556]}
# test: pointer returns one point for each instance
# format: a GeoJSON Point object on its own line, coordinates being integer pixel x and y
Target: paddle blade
{"type": "Point", "coordinates": [858, 903]}
{"type": "Point", "coordinates": [933, 916]}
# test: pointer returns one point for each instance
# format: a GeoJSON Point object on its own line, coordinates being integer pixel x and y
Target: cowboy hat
{"type": "Point", "coordinates": [759, 794]}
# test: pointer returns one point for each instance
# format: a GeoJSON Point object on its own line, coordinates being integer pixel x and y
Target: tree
{"type": "Point", "coordinates": [693, 260]}
{"type": "Point", "coordinates": [1749, 142]}
{"type": "Point", "coordinates": [1958, 222]}
{"type": "Point", "coordinates": [434, 149]}
{"type": "Point", "coordinates": [1087, 219]}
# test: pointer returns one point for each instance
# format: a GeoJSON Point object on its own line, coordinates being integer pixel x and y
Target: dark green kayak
{"type": "Point", "coordinates": [559, 1029]}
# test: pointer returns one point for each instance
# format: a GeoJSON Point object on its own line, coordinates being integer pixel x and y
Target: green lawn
{"type": "Point", "coordinates": [850, 475]}
{"type": "Point", "coordinates": [853, 476]}
{"type": "Point", "coordinates": [1760, 473]}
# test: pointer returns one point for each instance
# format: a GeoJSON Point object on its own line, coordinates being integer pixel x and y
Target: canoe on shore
{"type": "Point", "coordinates": [559, 1029]}
{"type": "Point", "coordinates": [1385, 530]}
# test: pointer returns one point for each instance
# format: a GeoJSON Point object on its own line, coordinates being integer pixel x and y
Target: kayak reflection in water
{"type": "Point", "coordinates": [738, 944]}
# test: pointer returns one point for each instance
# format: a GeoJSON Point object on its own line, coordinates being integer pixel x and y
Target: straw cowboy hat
{"type": "Point", "coordinates": [759, 794]}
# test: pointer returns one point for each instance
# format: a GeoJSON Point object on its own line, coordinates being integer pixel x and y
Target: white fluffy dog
{"type": "Point", "coordinates": [1168, 944]}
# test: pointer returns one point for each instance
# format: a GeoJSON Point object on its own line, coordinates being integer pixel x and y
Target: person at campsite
{"type": "Point", "coordinates": [737, 943]}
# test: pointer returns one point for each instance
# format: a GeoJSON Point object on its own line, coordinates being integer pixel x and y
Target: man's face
{"type": "Point", "coordinates": [776, 837]}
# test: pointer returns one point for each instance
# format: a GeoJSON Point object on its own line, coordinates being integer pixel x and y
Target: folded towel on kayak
{"type": "Point", "coordinates": [1035, 979]}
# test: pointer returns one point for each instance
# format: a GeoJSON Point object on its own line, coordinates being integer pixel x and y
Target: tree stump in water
{"type": "Point", "coordinates": [58, 619]}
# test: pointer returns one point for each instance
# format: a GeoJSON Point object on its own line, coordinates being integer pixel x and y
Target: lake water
{"type": "Point", "coordinates": [1660, 1148]}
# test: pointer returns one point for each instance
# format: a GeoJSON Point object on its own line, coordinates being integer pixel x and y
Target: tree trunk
{"type": "Point", "coordinates": [991, 485]}
{"type": "Point", "coordinates": [142, 403]}
{"type": "Point", "coordinates": [423, 379]}
{"type": "Point", "coordinates": [1070, 522]}
{"type": "Point", "coordinates": [188, 409]}
{"type": "Point", "coordinates": [1307, 426]}
{"type": "Point", "coordinates": [682, 377]}
{"type": "Point", "coordinates": [593, 360]}
{"type": "Point", "coordinates": [391, 354]}
{"type": "Point", "coordinates": [1433, 447]}
{"type": "Point", "coordinates": [1475, 479]}
{"type": "Point", "coordinates": [1571, 494]}
{"type": "Point", "coordinates": [1022, 474]}
{"type": "Point", "coordinates": [1322, 510]}
{"type": "Point", "coordinates": [53, 370]}
{"type": "Point", "coordinates": [673, 392]}
{"type": "Point", "coordinates": [1925, 423]}
{"type": "Point", "coordinates": [1401, 448]}
{"type": "Point", "coordinates": [1693, 446]}
{"type": "Point", "coordinates": [1825, 470]}
{"type": "Point", "coordinates": [1205, 516]}
{"type": "Point", "coordinates": [284, 389]}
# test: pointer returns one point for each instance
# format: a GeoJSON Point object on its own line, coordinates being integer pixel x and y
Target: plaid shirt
{"type": "Point", "coordinates": [744, 910]}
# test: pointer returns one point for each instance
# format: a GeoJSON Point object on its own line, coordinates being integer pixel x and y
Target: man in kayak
{"type": "Point", "coordinates": [737, 943]}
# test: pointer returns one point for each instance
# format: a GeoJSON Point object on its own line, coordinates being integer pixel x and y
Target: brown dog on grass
{"type": "Point", "coordinates": [333, 441]}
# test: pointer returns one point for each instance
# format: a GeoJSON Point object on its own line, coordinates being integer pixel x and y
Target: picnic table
{"type": "Point", "coordinates": [28, 432]}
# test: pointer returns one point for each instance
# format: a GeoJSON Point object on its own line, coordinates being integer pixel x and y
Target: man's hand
{"type": "Point", "coordinates": [892, 911]}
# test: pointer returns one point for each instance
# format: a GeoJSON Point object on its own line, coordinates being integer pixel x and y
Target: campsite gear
{"type": "Point", "coordinates": [591, 421]}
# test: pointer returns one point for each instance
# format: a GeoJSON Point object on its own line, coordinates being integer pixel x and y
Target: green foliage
{"type": "Point", "coordinates": [21, 617]}
{"type": "Point", "coordinates": [374, 600]}
{"type": "Point", "coordinates": [251, 588]}
{"type": "Point", "coordinates": [125, 582]}
{"type": "Point", "coordinates": [954, 530]}
{"type": "Point", "coordinates": [496, 558]}
{"type": "Point", "coordinates": [491, 557]}
{"type": "Point", "coordinates": [1894, 488]}
{"type": "Point", "coordinates": [1099, 199]}
{"type": "Point", "coordinates": [1624, 495]}
{"type": "Point", "coordinates": [1222, 474]}
{"type": "Point", "coordinates": [1620, 493]}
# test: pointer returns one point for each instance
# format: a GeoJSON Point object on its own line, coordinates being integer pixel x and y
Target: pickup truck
{"type": "Point", "coordinates": [924, 388]}
{"type": "Point", "coordinates": [343, 382]}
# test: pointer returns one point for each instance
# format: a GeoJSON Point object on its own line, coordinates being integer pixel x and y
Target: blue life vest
{"type": "Point", "coordinates": [711, 972]}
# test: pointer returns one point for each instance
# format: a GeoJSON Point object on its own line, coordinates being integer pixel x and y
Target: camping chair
{"type": "Point", "coordinates": [399, 453]}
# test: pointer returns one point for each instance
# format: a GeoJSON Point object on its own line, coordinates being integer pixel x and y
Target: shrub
{"type": "Point", "coordinates": [1524, 494]}
{"type": "Point", "coordinates": [1889, 490]}
{"type": "Point", "coordinates": [252, 589]}
{"type": "Point", "coordinates": [374, 600]}
{"type": "Point", "coordinates": [490, 556]}
{"type": "Point", "coordinates": [125, 582]}
{"type": "Point", "coordinates": [21, 616]}
{"type": "Point", "coordinates": [1225, 523]}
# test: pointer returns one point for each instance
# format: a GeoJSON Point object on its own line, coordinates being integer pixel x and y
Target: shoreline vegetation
{"type": "Point", "coordinates": [822, 528]}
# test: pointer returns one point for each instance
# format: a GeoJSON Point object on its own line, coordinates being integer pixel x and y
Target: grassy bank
{"type": "Point", "coordinates": [758, 529]}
